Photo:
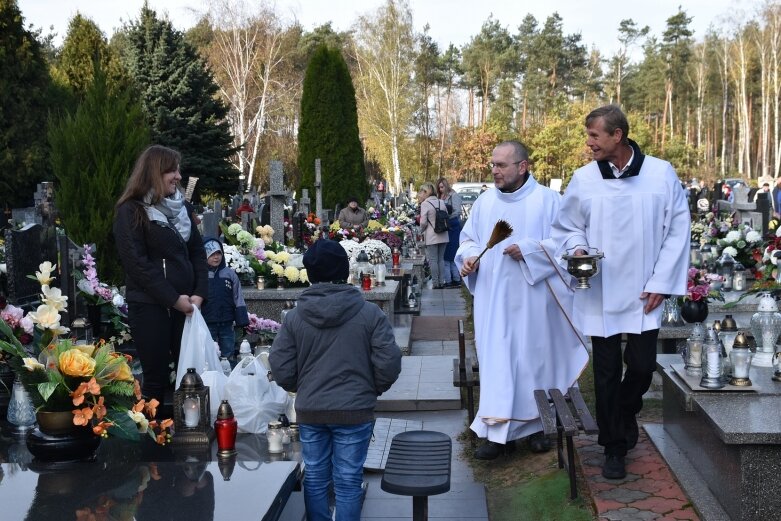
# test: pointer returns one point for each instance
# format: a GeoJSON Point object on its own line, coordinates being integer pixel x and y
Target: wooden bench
{"type": "Point", "coordinates": [418, 465]}
{"type": "Point", "coordinates": [568, 416]}
{"type": "Point", "coordinates": [466, 373]}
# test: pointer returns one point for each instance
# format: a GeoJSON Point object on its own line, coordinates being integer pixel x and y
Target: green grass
{"type": "Point", "coordinates": [545, 498]}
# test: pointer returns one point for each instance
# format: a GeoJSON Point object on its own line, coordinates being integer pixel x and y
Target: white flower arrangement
{"type": "Point", "coordinates": [372, 247]}
{"type": "Point", "coordinates": [753, 237]}
{"type": "Point", "coordinates": [234, 259]}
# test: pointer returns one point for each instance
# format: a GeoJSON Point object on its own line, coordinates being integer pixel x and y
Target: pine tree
{"type": "Point", "coordinates": [329, 130]}
{"type": "Point", "coordinates": [92, 152]}
{"type": "Point", "coordinates": [24, 95]}
{"type": "Point", "coordinates": [179, 97]}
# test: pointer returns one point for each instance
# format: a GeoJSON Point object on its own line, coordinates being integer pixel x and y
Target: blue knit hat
{"type": "Point", "coordinates": [326, 261]}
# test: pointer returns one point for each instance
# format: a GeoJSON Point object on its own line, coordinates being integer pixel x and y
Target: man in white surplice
{"type": "Point", "coordinates": [524, 340]}
{"type": "Point", "coordinates": [632, 208]}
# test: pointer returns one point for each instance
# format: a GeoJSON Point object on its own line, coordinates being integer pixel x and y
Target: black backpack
{"type": "Point", "coordinates": [441, 220]}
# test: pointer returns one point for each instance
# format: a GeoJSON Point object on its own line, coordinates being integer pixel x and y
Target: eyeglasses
{"type": "Point", "coordinates": [502, 166]}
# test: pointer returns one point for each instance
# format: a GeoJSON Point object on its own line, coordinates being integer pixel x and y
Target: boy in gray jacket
{"type": "Point", "coordinates": [338, 353]}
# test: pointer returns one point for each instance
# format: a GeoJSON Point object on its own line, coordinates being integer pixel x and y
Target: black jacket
{"type": "Point", "coordinates": [338, 353]}
{"type": "Point", "coordinates": [159, 265]}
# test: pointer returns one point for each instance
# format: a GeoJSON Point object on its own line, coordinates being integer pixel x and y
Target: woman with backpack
{"type": "Point", "coordinates": [450, 276]}
{"type": "Point", "coordinates": [434, 226]}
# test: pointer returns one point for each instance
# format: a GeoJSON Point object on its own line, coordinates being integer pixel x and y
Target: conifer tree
{"type": "Point", "coordinates": [329, 130]}
{"type": "Point", "coordinates": [24, 94]}
{"type": "Point", "coordinates": [178, 94]}
{"type": "Point", "coordinates": [93, 151]}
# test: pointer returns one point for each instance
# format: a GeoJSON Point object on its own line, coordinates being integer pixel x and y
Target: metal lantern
{"type": "Point", "coordinates": [739, 277]}
{"type": "Point", "coordinates": [712, 377]}
{"type": "Point", "coordinates": [740, 358]}
{"type": "Point", "coordinates": [82, 330]}
{"type": "Point", "coordinates": [725, 267]}
{"type": "Point", "coordinates": [692, 353]}
{"type": "Point", "coordinates": [766, 326]}
{"type": "Point", "coordinates": [192, 414]}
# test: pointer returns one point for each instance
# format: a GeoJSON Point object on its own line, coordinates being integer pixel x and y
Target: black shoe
{"type": "Point", "coordinates": [632, 432]}
{"type": "Point", "coordinates": [614, 467]}
{"type": "Point", "coordinates": [539, 443]}
{"type": "Point", "coordinates": [453, 285]}
{"type": "Point", "coordinates": [491, 450]}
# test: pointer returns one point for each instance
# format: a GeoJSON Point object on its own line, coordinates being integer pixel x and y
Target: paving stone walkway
{"type": "Point", "coordinates": [649, 491]}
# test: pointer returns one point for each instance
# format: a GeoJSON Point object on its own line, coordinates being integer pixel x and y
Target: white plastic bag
{"type": "Point", "coordinates": [197, 348]}
{"type": "Point", "coordinates": [215, 381]}
{"type": "Point", "coordinates": [255, 401]}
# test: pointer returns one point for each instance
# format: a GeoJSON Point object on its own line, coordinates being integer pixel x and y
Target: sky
{"type": "Point", "coordinates": [450, 21]}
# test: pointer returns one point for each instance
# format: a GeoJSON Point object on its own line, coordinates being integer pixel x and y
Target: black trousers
{"type": "Point", "coordinates": [620, 399]}
{"type": "Point", "coordinates": [157, 333]}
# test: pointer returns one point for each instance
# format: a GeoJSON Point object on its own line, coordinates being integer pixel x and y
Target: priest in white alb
{"type": "Point", "coordinates": [632, 208]}
{"type": "Point", "coordinates": [524, 338]}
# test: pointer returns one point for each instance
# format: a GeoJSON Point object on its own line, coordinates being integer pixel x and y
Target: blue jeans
{"type": "Point", "coordinates": [334, 452]}
{"type": "Point", "coordinates": [223, 334]}
{"type": "Point", "coordinates": [451, 272]}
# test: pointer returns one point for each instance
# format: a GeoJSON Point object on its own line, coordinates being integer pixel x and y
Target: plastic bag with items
{"type": "Point", "coordinates": [254, 399]}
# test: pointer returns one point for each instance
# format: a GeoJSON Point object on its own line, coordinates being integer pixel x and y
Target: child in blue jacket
{"type": "Point", "coordinates": [225, 304]}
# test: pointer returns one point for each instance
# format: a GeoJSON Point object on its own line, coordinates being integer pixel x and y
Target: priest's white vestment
{"type": "Point", "coordinates": [642, 225]}
{"type": "Point", "coordinates": [524, 340]}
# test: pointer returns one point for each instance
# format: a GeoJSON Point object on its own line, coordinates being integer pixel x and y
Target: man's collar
{"type": "Point", "coordinates": [631, 171]}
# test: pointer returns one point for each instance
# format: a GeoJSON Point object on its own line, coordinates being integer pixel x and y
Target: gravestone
{"type": "Point", "coordinates": [318, 191]}
{"type": "Point", "coordinates": [246, 221]}
{"type": "Point", "coordinates": [25, 250]}
{"type": "Point", "coordinates": [235, 202]}
{"type": "Point", "coordinates": [278, 196]}
{"type": "Point", "coordinates": [754, 214]}
{"type": "Point", "coordinates": [210, 224]}
{"type": "Point", "coordinates": [305, 202]}
{"type": "Point", "coordinates": [218, 211]}
{"type": "Point", "coordinates": [70, 261]}
{"type": "Point", "coordinates": [26, 216]}
{"type": "Point", "coordinates": [298, 229]}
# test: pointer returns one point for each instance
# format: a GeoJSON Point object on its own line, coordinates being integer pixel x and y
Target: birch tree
{"type": "Point", "coordinates": [250, 53]}
{"type": "Point", "coordinates": [384, 46]}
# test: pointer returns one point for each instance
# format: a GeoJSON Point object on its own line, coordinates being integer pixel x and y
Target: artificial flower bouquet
{"type": "Point", "coordinates": [93, 382]}
{"type": "Point", "coordinates": [98, 293]}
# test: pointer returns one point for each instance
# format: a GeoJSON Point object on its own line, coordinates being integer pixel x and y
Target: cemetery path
{"type": "Point", "coordinates": [649, 491]}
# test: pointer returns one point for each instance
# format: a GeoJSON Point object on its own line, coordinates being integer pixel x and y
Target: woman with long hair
{"type": "Point", "coordinates": [164, 261]}
{"type": "Point", "coordinates": [435, 242]}
{"type": "Point", "coordinates": [450, 276]}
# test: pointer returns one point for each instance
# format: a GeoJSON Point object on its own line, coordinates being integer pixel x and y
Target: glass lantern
{"type": "Point", "coordinates": [725, 267]}
{"type": "Point", "coordinates": [21, 412]}
{"type": "Point", "coordinates": [712, 376]}
{"type": "Point", "coordinates": [274, 436]}
{"type": "Point", "coordinates": [692, 353]}
{"type": "Point", "coordinates": [81, 329]}
{"type": "Point", "coordinates": [740, 359]}
{"type": "Point", "coordinates": [739, 277]}
{"type": "Point", "coordinates": [362, 267]}
{"type": "Point", "coordinates": [695, 256]}
{"type": "Point", "coordinates": [727, 335]}
{"type": "Point", "coordinates": [706, 252]}
{"type": "Point", "coordinates": [766, 326]}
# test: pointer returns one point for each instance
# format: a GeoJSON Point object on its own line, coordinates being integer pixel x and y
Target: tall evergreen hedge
{"type": "Point", "coordinates": [92, 153]}
{"type": "Point", "coordinates": [329, 130]}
